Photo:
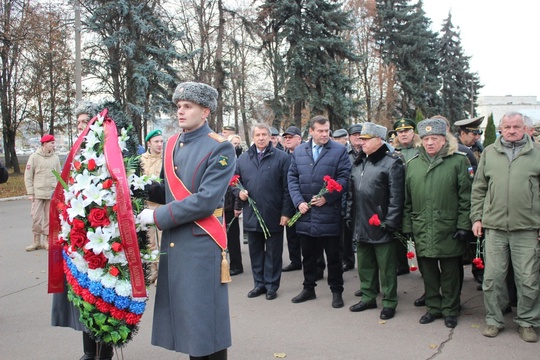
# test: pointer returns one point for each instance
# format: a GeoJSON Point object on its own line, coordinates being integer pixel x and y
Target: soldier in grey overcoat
{"type": "Point", "coordinates": [191, 313]}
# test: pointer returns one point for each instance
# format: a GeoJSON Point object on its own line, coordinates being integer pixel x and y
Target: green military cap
{"type": "Point", "coordinates": [154, 133]}
{"type": "Point", "coordinates": [404, 124]}
{"type": "Point", "coordinates": [470, 124]}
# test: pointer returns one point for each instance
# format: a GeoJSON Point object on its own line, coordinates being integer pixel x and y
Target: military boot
{"type": "Point", "coordinates": [45, 242]}
{"type": "Point", "coordinates": [35, 245]}
{"type": "Point", "coordinates": [89, 347]}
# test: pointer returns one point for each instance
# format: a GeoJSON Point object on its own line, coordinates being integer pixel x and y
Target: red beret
{"type": "Point", "coordinates": [47, 138]}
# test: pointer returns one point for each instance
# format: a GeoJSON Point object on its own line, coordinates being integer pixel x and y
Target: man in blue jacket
{"type": "Point", "coordinates": [320, 222]}
{"type": "Point", "coordinates": [263, 173]}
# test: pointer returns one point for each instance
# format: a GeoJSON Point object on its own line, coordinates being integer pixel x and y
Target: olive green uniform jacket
{"type": "Point", "coordinates": [437, 201]}
{"type": "Point", "coordinates": [506, 195]}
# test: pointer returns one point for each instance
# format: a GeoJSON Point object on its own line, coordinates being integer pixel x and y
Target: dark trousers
{"type": "Point", "coordinates": [312, 247]}
{"type": "Point", "coordinates": [233, 241]}
{"type": "Point", "coordinates": [401, 257]}
{"type": "Point", "coordinates": [293, 244]}
{"type": "Point", "coordinates": [348, 247]}
{"type": "Point", "coordinates": [266, 259]}
{"type": "Point", "coordinates": [442, 284]}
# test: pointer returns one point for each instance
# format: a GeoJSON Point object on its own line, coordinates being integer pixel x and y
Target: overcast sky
{"type": "Point", "coordinates": [502, 38]}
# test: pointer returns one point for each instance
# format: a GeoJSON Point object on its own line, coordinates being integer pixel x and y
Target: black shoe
{"type": "Point", "coordinates": [271, 295]}
{"type": "Point", "coordinates": [450, 322]}
{"type": "Point", "coordinates": [429, 318]}
{"type": "Point", "coordinates": [337, 301]}
{"type": "Point", "coordinates": [320, 274]}
{"type": "Point", "coordinates": [358, 293]}
{"type": "Point", "coordinates": [507, 310]}
{"type": "Point", "coordinates": [305, 295]}
{"type": "Point", "coordinates": [236, 271]}
{"type": "Point", "coordinates": [347, 267]}
{"type": "Point", "coordinates": [292, 267]}
{"type": "Point", "coordinates": [387, 313]}
{"type": "Point", "coordinates": [256, 292]}
{"type": "Point", "coordinates": [479, 278]}
{"type": "Point", "coordinates": [421, 301]}
{"type": "Point", "coordinates": [402, 271]}
{"type": "Point", "coordinates": [361, 306]}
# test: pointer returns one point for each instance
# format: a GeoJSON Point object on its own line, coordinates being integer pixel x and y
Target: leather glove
{"type": "Point", "coordinates": [462, 235]}
{"type": "Point", "coordinates": [146, 217]}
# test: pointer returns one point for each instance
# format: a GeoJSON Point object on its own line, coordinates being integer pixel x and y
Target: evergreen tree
{"type": "Point", "coordinates": [459, 85]}
{"type": "Point", "coordinates": [315, 67]}
{"type": "Point", "coordinates": [405, 40]}
{"type": "Point", "coordinates": [133, 56]}
{"type": "Point", "coordinates": [490, 134]}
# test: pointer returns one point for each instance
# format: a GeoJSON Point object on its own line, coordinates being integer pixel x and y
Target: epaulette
{"type": "Point", "coordinates": [217, 137]}
{"type": "Point", "coordinates": [460, 153]}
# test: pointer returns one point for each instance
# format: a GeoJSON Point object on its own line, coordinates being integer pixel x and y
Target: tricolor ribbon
{"type": "Point", "coordinates": [126, 220]}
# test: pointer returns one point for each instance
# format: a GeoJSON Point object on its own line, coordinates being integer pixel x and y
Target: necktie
{"type": "Point", "coordinates": [261, 154]}
{"type": "Point", "coordinates": [316, 152]}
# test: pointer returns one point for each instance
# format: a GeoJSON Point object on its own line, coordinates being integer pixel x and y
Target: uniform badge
{"type": "Point", "coordinates": [471, 172]}
{"type": "Point", "coordinates": [28, 167]}
{"type": "Point", "coordinates": [428, 128]}
{"type": "Point", "coordinates": [223, 161]}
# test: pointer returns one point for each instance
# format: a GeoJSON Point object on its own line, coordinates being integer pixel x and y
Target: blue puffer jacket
{"type": "Point", "coordinates": [266, 182]}
{"type": "Point", "coordinates": [306, 180]}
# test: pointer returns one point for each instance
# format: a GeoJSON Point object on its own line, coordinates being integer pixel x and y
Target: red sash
{"type": "Point", "coordinates": [211, 225]}
{"type": "Point", "coordinates": [126, 222]}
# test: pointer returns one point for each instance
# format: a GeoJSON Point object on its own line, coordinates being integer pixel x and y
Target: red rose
{"type": "Point", "coordinates": [78, 224]}
{"type": "Point", "coordinates": [91, 164]}
{"type": "Point", "coordinates": [78, 238]}
{"type": "Point", "coordinates": [117, 247]}
{"type": "Point", "coordinates": [77, 165]}
{"type": "Point", "coordinates": [107, 184]}
{"type": "Point", "coordinates": [98, 217]}
{"type": "Point", "coordinates": [95, 261]}
{"type": "Point", "coordinates": [114, 271]}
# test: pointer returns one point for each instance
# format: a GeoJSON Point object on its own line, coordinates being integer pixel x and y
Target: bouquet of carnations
{"type": "Point", "coordinates": [477, 261]}
{"type": "Point", "coordinates": [235, 182]}
{"type": "Point", "coordinates": [330, 185]}
{"type": "Point", "coordinates": [406, 241]}
{"type": "Point", "coordinates": [99, 235]}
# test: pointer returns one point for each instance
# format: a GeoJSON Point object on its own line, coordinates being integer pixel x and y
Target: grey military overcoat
{"type": "Point", "coordinates": [191, 313]}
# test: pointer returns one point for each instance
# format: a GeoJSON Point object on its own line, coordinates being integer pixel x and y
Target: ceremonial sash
{"type": "Point", "coordinates": [126, 221]}
{"type": "Point", "coordinates": [210, 225]}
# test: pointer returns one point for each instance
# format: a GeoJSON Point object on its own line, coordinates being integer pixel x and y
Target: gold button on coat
{"type": "Point", "coordinates": [171, 245]}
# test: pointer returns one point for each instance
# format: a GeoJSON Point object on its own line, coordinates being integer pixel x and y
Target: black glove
{"type": "Point", "coordinates": [390, 229]}
{"type": "Point", "coordinates": [407, 235]}
{"type": "Point", "coordinates": [348, 224]}
{"type": "Point", "coordinates": [462, 235]}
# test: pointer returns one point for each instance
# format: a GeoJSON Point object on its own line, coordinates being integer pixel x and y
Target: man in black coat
{"type": "Point", "coordinates": [263, 173]}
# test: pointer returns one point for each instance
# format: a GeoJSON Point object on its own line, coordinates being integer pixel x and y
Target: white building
{"type": "Point", "coordinates": [499, 105]}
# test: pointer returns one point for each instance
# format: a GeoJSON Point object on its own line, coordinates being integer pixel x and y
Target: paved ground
{"type": "Point", "coordinates": [261, 328]}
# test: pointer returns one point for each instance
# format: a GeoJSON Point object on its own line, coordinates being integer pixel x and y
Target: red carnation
{"type": "Point", "coordinates": [374, 220]}
{"type": "Point", "coordinates": [117, 247]}
{"type": "Point", "coordinates": [91, 164]}
{"type": "Point", "coordinates": [114, 271]}
{"type": "Point", "coordinates": [117, 313]}
{"type": "Point", "coordinates": [88, 297]}
{"type": "Point", "coordinates": [95, 261]}
{"type": "Point", "coordinates": [410, 255]}
{"type": "Point", "coordinates": [107, 184]}
{"type": "Point", "coordinates": [133, 319]}
{"type": "Point", "coordinates": [478, 263]}
{"type": "Point", "coordinates": [103, 306]}
{"type": "Point", "coordinates": [98, 217]}
{"type": "Point", "coordinates": [413, 268]}
{"type": "Point", "coordinates": [234, 181]}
